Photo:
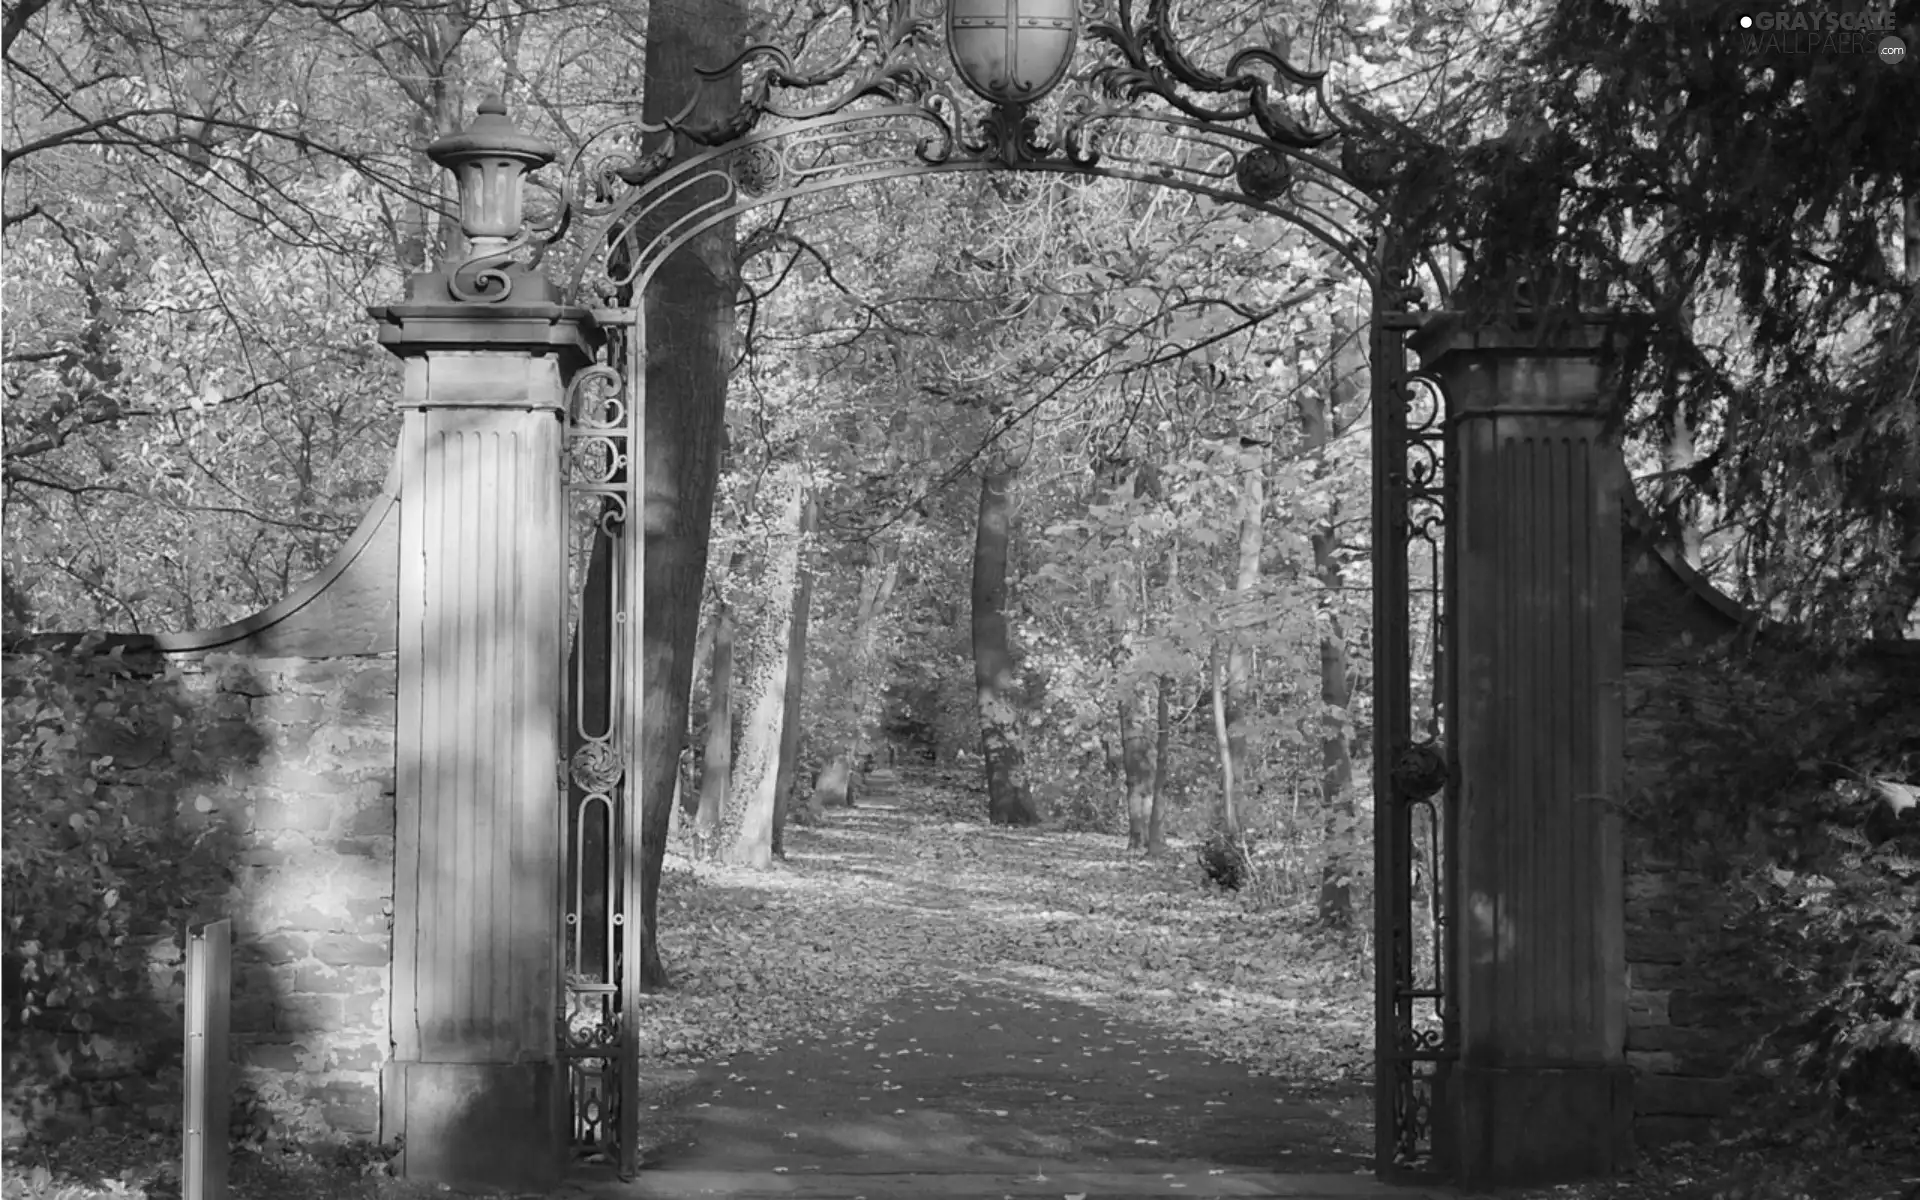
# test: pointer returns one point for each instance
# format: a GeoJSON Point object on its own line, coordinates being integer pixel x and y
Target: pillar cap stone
{"type": "Point", "coordinates": [1526, 366]}
{"type": "Point", "coordinates": [540, 327]}
{"type": "Point", "coordinates": [1576, 334]}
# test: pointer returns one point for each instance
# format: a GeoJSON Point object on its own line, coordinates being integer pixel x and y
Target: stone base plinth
{"type": "Point", "coordinates": [483, 1127]}
{"type": "Point", "coordinates": [1537, 1125]}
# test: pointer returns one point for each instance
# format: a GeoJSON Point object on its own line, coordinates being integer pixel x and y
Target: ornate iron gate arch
{"type": "Point", "coordinates": [895, 113]}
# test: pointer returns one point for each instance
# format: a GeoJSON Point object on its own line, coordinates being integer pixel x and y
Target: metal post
{"type": "Point", "coordinates": [1413, 1039]}
{"type": "Point", "coordinates": [1390, 728]}
{"type": "Point", "coordinates": [631, 562]}
{"type": "Point", "coordinates": [203, 1167]}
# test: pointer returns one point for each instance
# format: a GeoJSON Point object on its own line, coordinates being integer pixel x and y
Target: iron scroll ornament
{"type": "Point", "coordinates": [897, 58]}
{"type": "Point", "coordinates": [893, 104]}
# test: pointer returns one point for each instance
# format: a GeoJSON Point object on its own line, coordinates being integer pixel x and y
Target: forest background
{"type": "Point", "coordinates": [1128, 423]}
{"type": "Point", "coordinates": [1059, 482]}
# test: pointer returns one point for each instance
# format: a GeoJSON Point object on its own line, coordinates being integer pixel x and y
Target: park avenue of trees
{"type": "Point", "coordinates": [1062, 483]}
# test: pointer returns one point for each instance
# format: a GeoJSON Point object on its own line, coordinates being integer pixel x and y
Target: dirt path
{"type": "Point", "coordinates": [970, 1039]}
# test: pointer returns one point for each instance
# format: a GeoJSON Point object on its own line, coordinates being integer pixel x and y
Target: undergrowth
{"type": "Point", "coordinates": [104, 1165]}
{"type": "Point", "coordinates": [1790, 776]}
{"type": "Point", "coordinates": [92, 885]}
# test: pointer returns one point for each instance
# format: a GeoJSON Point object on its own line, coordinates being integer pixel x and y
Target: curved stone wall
{"type": "Point", "coordinates": [286, 759]}
{"type": "Point", "coordinates": [1672, 615]}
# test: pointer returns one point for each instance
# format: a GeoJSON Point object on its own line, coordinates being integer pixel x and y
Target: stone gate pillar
{"type": "Point", "coordinates": [475, 1079]}
{"type": "Point", "coordinates": [1541, 1091]}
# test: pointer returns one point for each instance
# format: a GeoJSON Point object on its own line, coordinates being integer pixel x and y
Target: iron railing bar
{"type": "Point", "coordinates": [630, 567]}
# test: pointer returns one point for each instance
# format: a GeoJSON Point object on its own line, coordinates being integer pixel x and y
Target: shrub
{"type": "Point", "coordinates": [1788, 775]}
{"type": "Point", "coordinates": [1840, 931]}
{"type": "Point", "coordinates": [1227, 860]}
{"type": "Point", "coordinates": [87, 886]}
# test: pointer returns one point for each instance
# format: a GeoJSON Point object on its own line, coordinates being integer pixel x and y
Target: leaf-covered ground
{"type": "Point", "coordinates": [874, 901]}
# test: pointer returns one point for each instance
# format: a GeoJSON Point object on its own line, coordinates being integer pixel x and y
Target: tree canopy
{"type": "Point", "coordinates": [1753, 203]}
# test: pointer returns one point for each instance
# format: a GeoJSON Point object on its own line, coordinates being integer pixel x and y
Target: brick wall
{"type": "Point", "coordinates": [283, 761]}
{"type": "Point", "coordinates": [1686, 1034]}
{"type": "Point", "coordinates": [294, 778]}
{"type": "Point", "coordinates": [313, 898]}
{"type": "Point", "coordinates": [1679, 1040]}
{"type": "Point", "coordinates": [1681, 1043]}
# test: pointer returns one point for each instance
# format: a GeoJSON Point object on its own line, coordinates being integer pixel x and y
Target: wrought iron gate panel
{"type": "Point", "coordinates": [639, 191]}
{"type": "Point", "coordinates": [1414, 1029]}
{"type": "Point", "coordinates": [599, 795]}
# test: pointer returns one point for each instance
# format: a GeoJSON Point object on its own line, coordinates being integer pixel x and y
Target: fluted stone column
{"type": "Point", "coordinates": [1541, 1091]}
{"type": "Point", "coordinates": [475, 1080]}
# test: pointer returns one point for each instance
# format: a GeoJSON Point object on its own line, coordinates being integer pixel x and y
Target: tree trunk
{"type": "Point", "coordinates": [426, 64]}
{"type": "Point", "coordinates": [758, 777]}
{"type": "Point", "coordinates": [1253, 504]}
{"type": "Point", "coordinates": [1162, 739]}
{"type": "Point", "coordinates": [834, 787]}
{"type": "Point", "coordinates": [1342, 851]}
{"type": "Point", "coordinates": [1168, 583]}
{"type": "Point", "coordinates": [1133, 765]}
{"type": "Point", "coordinates": [689, 797]}
{"type": "Point", "coordinates": [1136, 760]}
{"type": "Point", "coordinates": [1336, 782]}
{"type": "Point", "coordinates": [1896, 606]}
{"type": "Point", "coordinates": [1677, 453]}
{"type": "Point", "coordinates": [867, 689]}
{"type": "Point", "coordinates": [1009, 800]}
{"type": "Point", "coordinates": [717, 764]}
{"type": "Point", "coordinates": [794, 692]}
{"type": "Point", "coordinates": [690, 329]}
{"type": "Point", "coordinates": [680, 801]}
{"type": "Point", "coordinates": [1227, 816]}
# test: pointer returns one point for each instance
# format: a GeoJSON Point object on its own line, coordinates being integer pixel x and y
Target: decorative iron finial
{"type": "Point", "coordinates": [489, 161]}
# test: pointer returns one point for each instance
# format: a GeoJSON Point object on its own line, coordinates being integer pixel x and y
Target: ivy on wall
{"type": "Point", "coordinates": [95, 871]}
{"type": "Point", "coordinates": [1791, 775]}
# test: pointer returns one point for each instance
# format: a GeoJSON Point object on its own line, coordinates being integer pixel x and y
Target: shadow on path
{"type": "Point", "coordinates": [972, 1088]}
{"type": "Point", "coordinates": [981, 1078]}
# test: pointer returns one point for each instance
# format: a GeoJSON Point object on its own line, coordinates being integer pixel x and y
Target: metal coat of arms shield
{"type": "Point", "coordinates": [1012, 51]}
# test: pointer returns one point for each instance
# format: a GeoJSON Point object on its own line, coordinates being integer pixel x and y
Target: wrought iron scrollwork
{"type": "Point", "coordinates": [889, 57]}
{"type": "Point", "coordinates": [1253, 131]}
{"type": "Point", "coordinates": [1009, 134]}
{"type": "Point", "coordinates": [590, 1039]}
{"type": "Point", "coordinates": [1415, 1028]}
{"type": "Point", "coordinates": [1153, 63]}
{"type": "Point", "coordinates": [596, 767]}
{"type": "Point", "coordinates": [758, 170]}
{"type": "Point", "coordinates": [598, 804]}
